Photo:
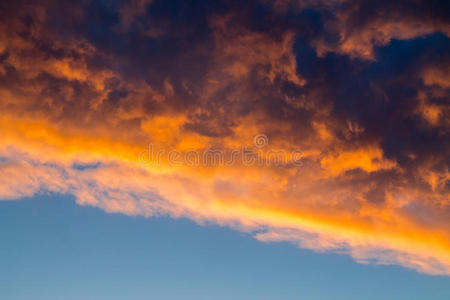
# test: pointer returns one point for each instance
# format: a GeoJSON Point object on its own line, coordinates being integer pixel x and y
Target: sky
{"type": "Point", "coordinates": [56, 249]}
{"type": "Point", "coordinates": [261, 149]}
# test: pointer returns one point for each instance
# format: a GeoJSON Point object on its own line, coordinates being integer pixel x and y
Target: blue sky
{"type": "Point", "coordinates": [52, 248]}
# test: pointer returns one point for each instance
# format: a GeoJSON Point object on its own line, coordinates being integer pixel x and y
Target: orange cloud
{"type": "Point", "coordinates": [355, 190]}
{"type": "Point", "coordinates": [269, 202]}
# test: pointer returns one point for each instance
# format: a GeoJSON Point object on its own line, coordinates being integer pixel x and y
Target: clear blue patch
{"type": "Point", "coordinates": [82, 166]}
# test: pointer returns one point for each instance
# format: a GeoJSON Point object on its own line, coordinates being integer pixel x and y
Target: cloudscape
{"type": "Point", "coordinates": [323, 124]}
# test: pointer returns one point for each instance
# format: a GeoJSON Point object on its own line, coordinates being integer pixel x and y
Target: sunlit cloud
{"type": "Point", "coordinates": [324, 130]}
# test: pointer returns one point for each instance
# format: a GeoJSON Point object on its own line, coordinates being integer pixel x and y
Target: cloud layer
{"type": "Point", "coordinates": [359, 88]}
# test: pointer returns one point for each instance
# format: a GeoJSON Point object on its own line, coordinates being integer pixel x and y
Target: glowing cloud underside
{"type": "Point", "coordinates": [368, 112]}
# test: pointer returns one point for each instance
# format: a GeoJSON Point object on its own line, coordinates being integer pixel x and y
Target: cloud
{"type": "Point", "coordinates": [359, 92]}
